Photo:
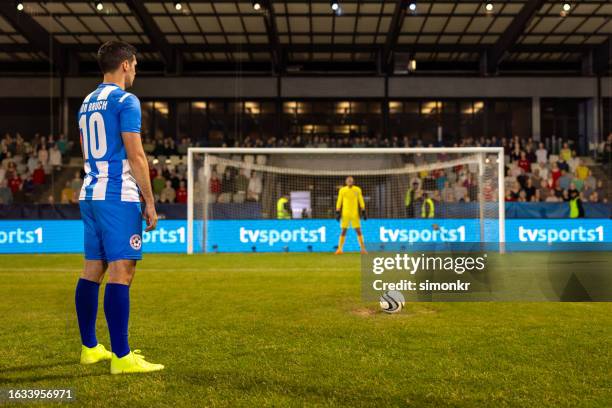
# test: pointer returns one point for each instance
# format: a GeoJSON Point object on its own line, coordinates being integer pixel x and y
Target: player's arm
{"type": "Point", "coordinates": [362, 205]}
{"type": "Point", "coordinates": [339, 205]}
{"type": "Point", "coordinates": [139, 167]}
{"type": "Point", "coordinates": [129, 118]}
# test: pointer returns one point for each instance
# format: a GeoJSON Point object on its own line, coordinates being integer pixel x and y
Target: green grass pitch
{"type": "Point", "coordinates": [291, 330]}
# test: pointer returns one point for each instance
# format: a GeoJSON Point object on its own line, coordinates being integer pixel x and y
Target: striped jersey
{"type": "Point", "coordinates": [104, 115]}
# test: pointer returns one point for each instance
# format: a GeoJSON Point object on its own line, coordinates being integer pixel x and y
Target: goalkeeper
{"type": "Point", "coordinates": [348, 207]}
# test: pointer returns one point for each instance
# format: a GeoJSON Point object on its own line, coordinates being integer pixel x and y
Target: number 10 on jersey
{"type": "Point", "coordinates": [93, 135]}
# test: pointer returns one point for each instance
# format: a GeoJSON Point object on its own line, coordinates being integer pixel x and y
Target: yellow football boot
{"type": "Point", "coordinates": [133, 362]}
{"type": "Point", "coordinates": [94, 354]}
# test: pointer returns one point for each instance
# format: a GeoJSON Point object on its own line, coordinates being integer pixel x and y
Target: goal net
{"type": "Point", "coordinates": [275, 200]}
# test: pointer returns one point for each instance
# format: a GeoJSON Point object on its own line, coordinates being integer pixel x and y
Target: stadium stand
{"type": "Point", "coordinates": [38, 171]}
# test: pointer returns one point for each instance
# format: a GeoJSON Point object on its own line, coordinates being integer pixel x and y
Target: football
{"type": "Point", "coordinates": [392, 301]}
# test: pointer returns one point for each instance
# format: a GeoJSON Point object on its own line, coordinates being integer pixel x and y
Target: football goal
{"type": "Point", "coordinates": [284, 199]}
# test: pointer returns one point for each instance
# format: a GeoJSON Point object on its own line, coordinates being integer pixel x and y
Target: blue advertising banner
{"type": "Point", "coordinates": [322, 235]}
{"type": "Point", "coordinates": [50, 236]}
{"type": "Point", "coordinates": [316, 235]}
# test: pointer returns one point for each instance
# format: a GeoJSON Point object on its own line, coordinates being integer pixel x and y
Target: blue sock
{"type": "Point", "coordinates": [86, 300]}
{"type": "Point", "coordinates": [117, 310]}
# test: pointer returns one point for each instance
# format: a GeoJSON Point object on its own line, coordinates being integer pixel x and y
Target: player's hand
{"type": "Point", "coordinates": [150, 216]}
{"type": "Point", "coordinates": [337, 215]}
{"type": "Point", "coordinates": [364, 216]}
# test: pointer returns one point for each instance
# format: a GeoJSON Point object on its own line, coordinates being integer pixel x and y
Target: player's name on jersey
{"type": "Point", "coordinates": [93, 106]}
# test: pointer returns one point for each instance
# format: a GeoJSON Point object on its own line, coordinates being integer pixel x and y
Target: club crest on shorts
{"type": "Point", "coordinates": [135, 241]}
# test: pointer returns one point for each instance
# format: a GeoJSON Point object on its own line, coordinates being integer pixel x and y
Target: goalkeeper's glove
{"type": "Point", "coordinates": [364, 216]}
{"type": "Point", "coordinates": [337, 215]}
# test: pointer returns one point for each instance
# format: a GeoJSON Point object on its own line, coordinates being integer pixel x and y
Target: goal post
{"type": "Point", "coordinates": [232, 189]}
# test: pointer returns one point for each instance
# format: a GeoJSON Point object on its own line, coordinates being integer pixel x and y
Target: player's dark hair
{"type": "Point", "coordinates": [112, 53]}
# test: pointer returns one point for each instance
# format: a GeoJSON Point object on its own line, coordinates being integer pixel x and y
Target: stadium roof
{"type": "Point", "coordinates": [366, 36]}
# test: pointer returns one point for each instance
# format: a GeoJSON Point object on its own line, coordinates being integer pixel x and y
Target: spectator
{"type": "Point", "coordinates": [418, 181]}
{"type": "Point", "coordinates": [68, 194]}
{"type": "Point", "coordinates": [255, 187]}
{"type": "Point", "coordinates": [575, 203]}
{"type": "Point", "coordinates": [227, 183]}
{"type": "Point", "coordinates": [167, 194]}
{"type": "Point", "coordinates": [158, 150]}
{"type": "Point", "coordinates": [214, 183]}
{"type": "Point", "coordinates": [600, 191]}
{"type": "Point", "coordinates": [565, 154]}
{"type": "Point", "coordinates": [564, 181]}
{"type": "Point", "coordinates": [38, 177]}
{"type": "Point", "coordinates": [563, 165]}
{"type": "Point", "coordinates": [590, 182]}
{"type": "Point", "coordinates": [76, 182]}
{"type": "Point", "coordinates": [43, 156]}
{"type": "Point", "coordinates": [594, 198]}
{"type": "Point", "coordinates": [62, 144]}
{"type": "Point", "coordinates": [542, 171]}
{"type": "Point", "coordinates": [551, 197]}
{"type": "Point", "coordinates": [32, 164]}
{"type": "Point", "coordinates": [181, 193]}
{"type": "Point", "coordinates": [530, 190]}
{"type": "Point", "coordinates": [541, 154]}
{"type": "Point", "coordinates": [447, 193]}
{"type": "Point", "coordinates": [6, 195]}
{"type": "Point", "coordinates": [578, 183]}
{"type": "Point", "coordinates": [535, 177]}
{"type": "Point", "coordinates": [515, 191]}
{"type": "Point", "coordinates": [28, 188]}
{"type": "Point", "coordinates": [582, 171]}
{"type": "Point", "coordinates": [55, 157]}
{"type": "Point", "coordinates": [460, 192]}
{"type": "Point", "coordinates": [572, 190]}
{"type": "Point", "coordinates": [174, 178]}
{"type": "Point", "coordinates": [159, 182]}
{"type": "Point", "coordinates": [555, 173]}
{"type": "Point", "coordinates": [573, 162]}
{"type": "Point", "coordinates": [2, 174]}
{"type": "Point", "coordinates": [152, 171]}
{"type": "Point", "coordinates": [544, 189]}
{"type": "Point", "coordinates": [515, 156]}
{"type": "Point", "coordinates": [8, 158]}
{"type": "Point", "coordinates": [15, 183]}
{"type": "Point", "coordinates": [181, 167]}
{"type": "Point", "coordinates": [523, 163]}
{"type": "Point", "coordinates": [183, 146]}
{"type": "Point", "coordinates": [242, 181]}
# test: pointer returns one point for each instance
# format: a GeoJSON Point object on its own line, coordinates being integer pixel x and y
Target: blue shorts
{"type": "Point", "coordinates": [113, 230]}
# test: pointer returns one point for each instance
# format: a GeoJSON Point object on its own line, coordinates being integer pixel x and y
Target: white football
{"type": "Point", "coordinates": [392, 301]}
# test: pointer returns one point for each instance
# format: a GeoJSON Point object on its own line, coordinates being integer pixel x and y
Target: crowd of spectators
{"type": "Point", "coordinates": [547, 171]}
{"type": "Point", "coordinates": [535, 171]}
{"type": "Point", "coordinates": [26, 165]}
{"type": "Point", "coordinates": [230, 184]}
{"type": "Point", "coordinates": [553, 145]}
{"type": "Point", "coordinates": [169, 181]}
{"type": "Point", "coordinates": [532, 174]}
{"type": "Point", "coordinates": [165, 147]}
